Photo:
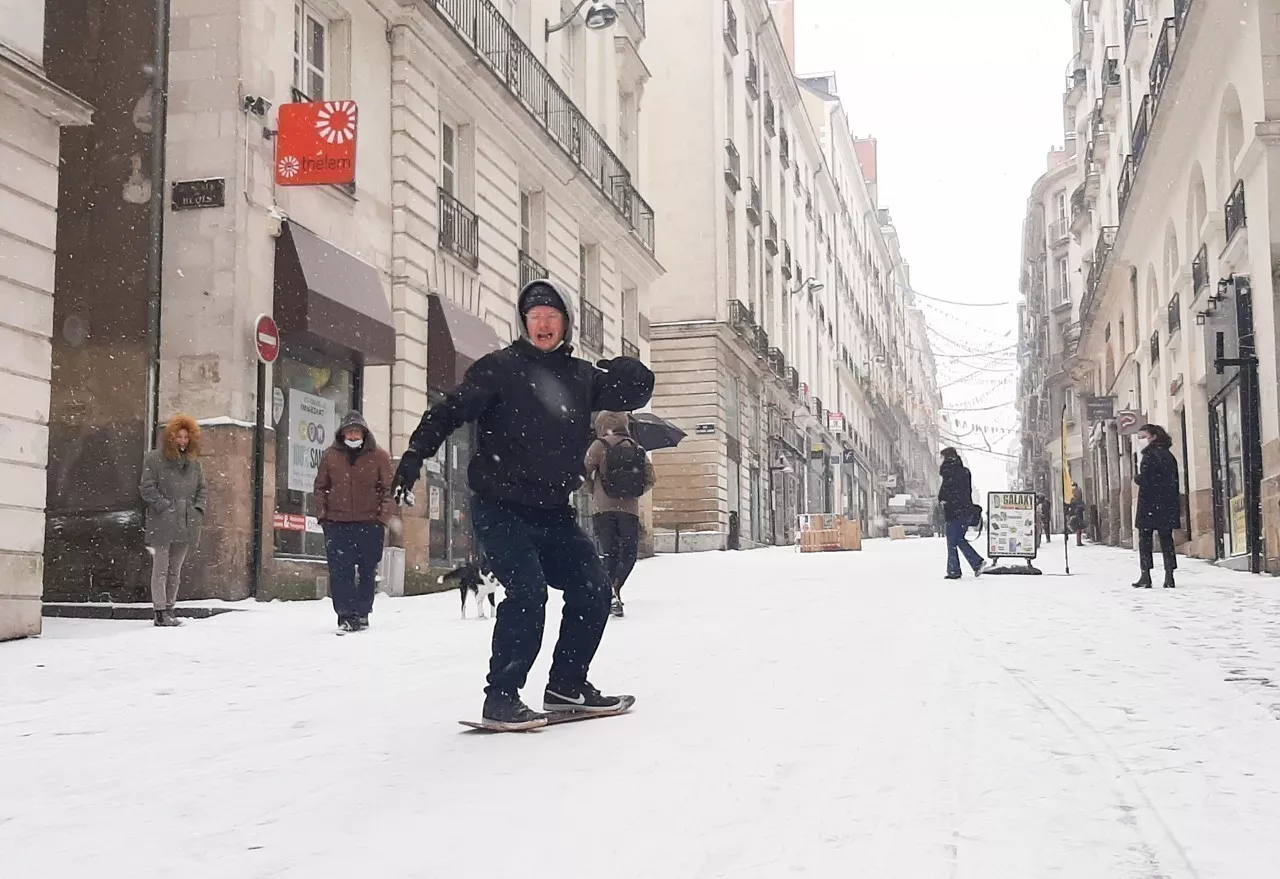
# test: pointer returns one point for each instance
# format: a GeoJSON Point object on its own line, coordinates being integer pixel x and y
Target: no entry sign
{"type": "Point", "coordinates": [266, 337]}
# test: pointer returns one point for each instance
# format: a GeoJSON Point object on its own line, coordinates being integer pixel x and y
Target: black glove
{"type": "Point", "coordinates": [406, 476]}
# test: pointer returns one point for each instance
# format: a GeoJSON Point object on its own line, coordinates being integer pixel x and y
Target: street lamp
{"type": "Point", "coordinates": [600, 15]}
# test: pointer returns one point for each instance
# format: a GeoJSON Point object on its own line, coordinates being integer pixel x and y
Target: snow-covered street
{"type": "Point", "coordinates": [840, 715]}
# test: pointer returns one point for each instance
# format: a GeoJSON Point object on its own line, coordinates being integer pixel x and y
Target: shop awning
{"type": "Point", "coordinates": [332, 298]}
{"type": "Point", "coordinates": [456, 338]}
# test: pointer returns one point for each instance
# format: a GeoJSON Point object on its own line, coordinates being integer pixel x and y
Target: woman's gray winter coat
{"type": "Point", "coordinates": [174, 492]}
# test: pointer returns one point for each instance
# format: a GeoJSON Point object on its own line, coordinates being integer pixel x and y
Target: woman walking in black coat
{"type": "Point", "coordinates": [1159, 502]}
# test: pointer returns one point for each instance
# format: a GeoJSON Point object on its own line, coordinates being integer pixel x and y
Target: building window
{"type": "Point", "coordinates": [315, 391]}
{"type": "Point", "coordinates": [731, 224]}
{"type": "Point", "coordinates": [310, 52]}
{"type": "Point", "coordinates": [449, 158]}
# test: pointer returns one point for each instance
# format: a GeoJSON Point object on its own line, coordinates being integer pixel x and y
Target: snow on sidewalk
{"type": "Point", "coordinates": [834, 715]}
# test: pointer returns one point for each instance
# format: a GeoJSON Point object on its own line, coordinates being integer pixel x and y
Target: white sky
{"type": "Point", "coordinates": [965, 100]}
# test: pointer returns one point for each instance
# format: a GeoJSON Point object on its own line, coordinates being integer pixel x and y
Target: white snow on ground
{"type": "Point", "coordinates": [838, 715]}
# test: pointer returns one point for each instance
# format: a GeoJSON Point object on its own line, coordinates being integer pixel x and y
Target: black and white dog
{"type": "Point", "coordinates": [476, 579]}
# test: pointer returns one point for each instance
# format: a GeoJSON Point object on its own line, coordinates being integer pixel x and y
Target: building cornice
{"type": "Point", "coordinates": [24, 81]}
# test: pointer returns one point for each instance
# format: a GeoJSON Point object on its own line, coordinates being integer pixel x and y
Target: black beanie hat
{"type": "Point", "coordinates": [541, 294]}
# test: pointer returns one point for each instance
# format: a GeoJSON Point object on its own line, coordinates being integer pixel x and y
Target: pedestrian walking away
{"type": "Point", "coordinates": [960, 512]}
{"type": "Point", "coordinates": [532, 403]}
{"type": "Point", "coordinates": [1046, 518]}
{"type": "Point", "coordinates": [1075, 515]}
{"type": "Point", "coordinates": [618, 474]}
{"type": "Point", "coordinates": [353, 492]}
{"type": "Point", "coordinates": [1159, 503]}
{"type": "Point", "coordinates": [173, 489]}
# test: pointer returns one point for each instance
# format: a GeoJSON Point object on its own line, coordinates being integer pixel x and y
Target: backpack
{"type": "Point", "coordinates": [622, 473]}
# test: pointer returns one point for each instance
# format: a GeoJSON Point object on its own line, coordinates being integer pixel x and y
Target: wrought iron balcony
{"type": "Point", "coordinates": [530, 269]}
{"type": "Point", "coordinates": [459, 230]}
{"type": "Point", "coordinates": [1101, 251]}
{"type": "Point", "coordinates": [732, 166]}
{"type": "Point", "coordinates": [730, 27]}
{"type": "Point", "coordinates": [753, 201]}
{"type": "Point", "coordinates": [591, 332]}
{"type": "Point", "coordinates": [1132, 16]}
{"type": "Point", "coordinates": [741, 318]}
{"type": "Point", "coordinates": [786, 260]}
{"type": "Point", "coordinates": [630, 349]}
{"type": "Point", "coordinates": [808, 203]}
{"type": "Point", "coordinates": [760, 342]}
{"type": "Point", "coordinates": [777, 362]}
{"type": "Point", "coordinates": [771, 233]}
{"type": "Point", "coordinates": [793, 380]}
{"type": "Point", "coordinates": [1234, 211]}
{"type": "Point", "coordinates": [784, 148]}
{"type": "Point", "coordinates": [1175, 314]}
{"type": "Point", "coordinates": [493, 40]}
{"type": "Point", "coordinates": [1126, 183]}
{"type": "Point", "coordinates": [1155, 347]}
{"type": "Point", "coordinates": [753, 75]}
{"type": "Point", "coordinates": [1200, 271]}
{"type": "Point", "coordinates": [1141, 129]}
{"type": "Point", "coordinates": [770, 116]}
{"type": "Point", "coordinates": [636, 8]}
{"type": "Point", "coordinates": [1161, 61]}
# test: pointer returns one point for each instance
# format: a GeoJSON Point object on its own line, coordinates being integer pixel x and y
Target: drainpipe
{"type": "Point", "coordinates": [155, 255]}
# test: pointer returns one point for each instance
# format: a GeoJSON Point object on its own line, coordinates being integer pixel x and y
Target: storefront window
{"type": "Point", "coordinates": [311, 394]}
{"type": "Point", "coordinates": [1231, 474]}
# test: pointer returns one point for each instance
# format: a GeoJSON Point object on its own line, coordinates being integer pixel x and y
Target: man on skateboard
{"type": "Point", "coordinates": [532, 404]}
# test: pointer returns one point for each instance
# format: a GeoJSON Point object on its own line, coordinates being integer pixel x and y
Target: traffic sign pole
{"type": "Point", "coordinates": [266, 341]}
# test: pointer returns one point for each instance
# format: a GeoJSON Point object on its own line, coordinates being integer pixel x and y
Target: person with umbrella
{"type": "Point", "coordinates": [618, 474]}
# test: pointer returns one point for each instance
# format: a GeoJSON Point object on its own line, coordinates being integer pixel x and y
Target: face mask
{"type": "Point", "coordinates": [1141, 444]}
{"type": "Point", "coordinates": [354, 444]}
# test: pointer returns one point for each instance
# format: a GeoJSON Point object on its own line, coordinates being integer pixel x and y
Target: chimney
{"type": "Point", "coordinates": [784, 17]}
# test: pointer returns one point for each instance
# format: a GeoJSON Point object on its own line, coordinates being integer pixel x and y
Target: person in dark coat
{"type": "Point", "coordinates": [532, 404]}
{"type": "Point", "coordinates": [1075, 515]}
{"type": "Point", "coordinates": [1046, 518]}
{"type": "Point", "coordinates": [1159, 502]}
{"type": "Point", "coordinates": [956, 495]}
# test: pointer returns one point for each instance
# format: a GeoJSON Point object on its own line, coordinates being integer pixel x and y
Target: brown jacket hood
{"type": "Point", "coordinates": [350, 420]}
{"type": "Point", "coordinates": [177, 423]}
{"type": "Point", "coordinates": [613, 422]}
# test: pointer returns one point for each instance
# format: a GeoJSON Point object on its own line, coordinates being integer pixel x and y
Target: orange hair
{"type": "Point", "coordinates": [177, 423]}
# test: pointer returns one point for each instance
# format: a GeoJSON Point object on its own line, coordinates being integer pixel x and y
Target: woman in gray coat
{"type": "Point", "coordinates": [173, 489]}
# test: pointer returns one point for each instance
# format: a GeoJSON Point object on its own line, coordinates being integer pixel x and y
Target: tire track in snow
{"type": "Point", "coordinates": [1160, 847]}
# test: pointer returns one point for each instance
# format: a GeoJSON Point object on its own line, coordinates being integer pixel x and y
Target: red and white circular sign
{"type": "Point", "coordinates": [266, 337]}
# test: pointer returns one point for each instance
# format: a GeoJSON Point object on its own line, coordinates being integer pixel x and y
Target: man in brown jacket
{"type": "Point", "coordinates": [353, 504]}
{"type": "Point", "coordinates": [615, 507]}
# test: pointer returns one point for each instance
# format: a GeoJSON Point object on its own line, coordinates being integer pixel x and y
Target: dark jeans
{"type": "Point", "coordinates": [352, 547]}
{"type": "Point", "coordinates": [957, 543]}
{"type": "Point", "coordinates": [619, 538]}
{"type": "Point", "coordinates": [1145, 550]}
{"type": "Point", "coordinates": [528, 550]}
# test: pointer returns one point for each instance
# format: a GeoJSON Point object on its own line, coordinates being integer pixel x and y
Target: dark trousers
{"type": "Point", "coordinates": [957, 544]}
{"type": "Point", "coordinates": [1146, 550]}
{"type": "Point", "coordinates": [354, 550]}
{"type": "Point", "coordinates": [528, 550]}
{"type": "Point", "coordinates": [619, 537]}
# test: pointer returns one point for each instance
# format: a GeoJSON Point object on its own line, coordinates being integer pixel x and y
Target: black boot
{"type": "Point", "coordinates": [1168, 579]}
{"type": "Point", "coordinates": [1144, 582]}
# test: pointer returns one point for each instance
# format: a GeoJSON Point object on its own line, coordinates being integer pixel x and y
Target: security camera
{"type": "Point", "coordinates": [256, 105]}
{"type": "Point", "coordinates": [276, 219]}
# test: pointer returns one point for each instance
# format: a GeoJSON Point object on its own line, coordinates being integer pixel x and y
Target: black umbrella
{"type": "Point", "coordinates": [654, 433]}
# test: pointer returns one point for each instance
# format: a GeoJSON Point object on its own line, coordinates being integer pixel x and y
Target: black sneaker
{"type": "Point", "coordinates": [616, 608]}
{"type": "Point", "coordinates": [348, 625]}
{"type": "Point", "coordinates": [582, 698]}
{"type": "Point", "coordinates": [509, 712]}
{"type": "Point", "coordinates": [362, 622]}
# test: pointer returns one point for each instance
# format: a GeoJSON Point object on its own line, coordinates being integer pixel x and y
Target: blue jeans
{"type": "Point", "coordinates": [352, 547]}
{"type": "Point", "coordinates": [528, 550]}
{"type": "Point", "coordinates": [958, 542]}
